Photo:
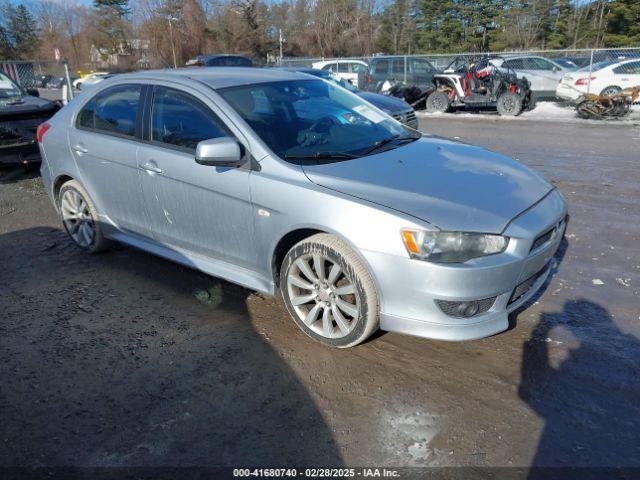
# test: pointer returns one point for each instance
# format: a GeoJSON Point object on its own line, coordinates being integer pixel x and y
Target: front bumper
{"type": "Point", "coordinates": [408, 289]}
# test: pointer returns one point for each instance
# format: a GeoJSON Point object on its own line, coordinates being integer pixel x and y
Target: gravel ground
{"type": "Point", "coordinates": [125, 359]}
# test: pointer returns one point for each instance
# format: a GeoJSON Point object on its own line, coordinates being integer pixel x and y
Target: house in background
{"type": "Point", "coordinates": [132, 55]}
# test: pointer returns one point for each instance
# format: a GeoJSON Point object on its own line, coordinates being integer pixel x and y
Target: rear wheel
{"type": "Point", "coordinates": [509, 104]}
{"type": "Point", "coordinates": [80, 218]}
{"type": "Point", "coordinates": [329, 292]}
{"type": "Point", "coordinates": [610, 91]}
{"type": "Point", "coordinates": [437, 102]}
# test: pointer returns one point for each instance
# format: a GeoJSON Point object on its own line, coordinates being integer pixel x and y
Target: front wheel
{"type": "Point", "coordinates": [329, 292]}
{"type": "Point", "coordinates": [509, 104]}
{"type": "Point", "coordinates": [437, 102]}
{"type": "Point", "coordinates": [610, 91]}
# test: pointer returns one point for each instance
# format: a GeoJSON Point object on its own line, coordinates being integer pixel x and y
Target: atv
{"type": "Point", "coordinates": [478, 83]}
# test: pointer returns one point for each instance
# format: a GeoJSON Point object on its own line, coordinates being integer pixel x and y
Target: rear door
{"type": "Point", "coordinates": [203, 209]}
{"type": "Point", "coordinates": [104, 144]}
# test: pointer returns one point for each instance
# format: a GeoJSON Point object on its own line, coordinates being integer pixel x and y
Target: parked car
{"type": "Point", "coordinates": [542, 73]}
{"type": "Point", "coordinates": [606, 78]}
{"type": "Point", "coordinates": [220, 61]}
{"type": "Point", "coordinates": [408, 70]}
{"type": "Point", "coordinates": [347, 70]}
{"type": "Point", "coordinates": [396, 107]}
{"type": "Point", "coordinates": [90, 79]}
{"type": "Point", "coordinates": [21, 111]}
{"type": "Point", "coordinates": [285, 183]}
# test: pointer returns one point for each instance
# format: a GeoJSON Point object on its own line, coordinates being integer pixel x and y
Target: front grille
{"type": "Point", "coordinates": [408, 119]}
{"type": "Point", "coordinates": [525, 286]}
{"type": "Point", "coordinates": [452, 308]}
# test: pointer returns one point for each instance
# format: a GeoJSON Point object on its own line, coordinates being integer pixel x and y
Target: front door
{"type": "Point", "coordinates": [203, 209]}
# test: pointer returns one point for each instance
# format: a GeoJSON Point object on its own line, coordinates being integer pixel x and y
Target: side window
{"type": "Point", "coordinates": [516, 64]}
{"type": "Point", "coordinates": [331, 67]}
{"type": "Point", "coordinates": [358, 68]}
{"type": "Point", "coordinates": [181, 120]}
{"type": "Point", "coordinates": [421, 66]}
{"type": "Point", "coordinates": [343, 67]}
{"type": "Point", "coordinates": [539, 64]}
{"type": "Point", "coordinates": [114, 111]}
{"type": "Point", "coordinates": [381, 66]}
{"type": "Point", "coordinates": [628, 68]}
{"type": "Point", "coordinates": [398, 65]}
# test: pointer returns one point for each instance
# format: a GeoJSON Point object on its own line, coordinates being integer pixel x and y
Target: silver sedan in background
{"type": "Point", "coordinates": [281, 182]}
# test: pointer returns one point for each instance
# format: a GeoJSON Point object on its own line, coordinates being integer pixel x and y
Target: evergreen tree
{"type": "Point", "coordinates": [111, 23]}
{"type": "Point", "coordinates": [6, 48]}
{"type": "Point", "coordinates": [22, 32]}
{"type": "Point", "coordinates": [623, 24]}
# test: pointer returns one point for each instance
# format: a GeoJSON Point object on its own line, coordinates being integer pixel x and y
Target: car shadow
{"type": "Point", "coordinates": [124, 359]}
{"type": "Point", "coordinates": [580, 374]}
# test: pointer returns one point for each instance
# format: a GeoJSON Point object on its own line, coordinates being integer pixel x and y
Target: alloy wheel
{"type": "Point", "coordinates": [77, 218]}
{"type": "Point", "coordinates": [322, 295]}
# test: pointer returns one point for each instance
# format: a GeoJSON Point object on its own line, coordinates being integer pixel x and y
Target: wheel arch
{"type": "Point", "coordinates": [297, 235]}
{"type": "Point", "coordinates": [58, 182]}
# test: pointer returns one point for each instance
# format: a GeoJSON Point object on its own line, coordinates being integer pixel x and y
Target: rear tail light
{"type": "Point", "coordinates": [42, 129]}
{"type": "Point", "coordinates": [584, 81]}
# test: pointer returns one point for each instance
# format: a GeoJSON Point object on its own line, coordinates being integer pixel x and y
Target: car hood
{"type": "Point", "coordinates": [385, 102]}
{"type": "Point", "coordinates": [26, 104]}
{"type": "Point", "coordinates": [451, 185]}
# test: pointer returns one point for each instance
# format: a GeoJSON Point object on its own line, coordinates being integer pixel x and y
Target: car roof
{"type": "Point", "coordinates": [219, 77]}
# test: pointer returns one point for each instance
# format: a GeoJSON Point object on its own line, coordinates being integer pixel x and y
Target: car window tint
{"type": "Point", "coordinates": [628, 68]}
{"type": "Point", "coordinates": [181, 120]}
{"type": "Point", "coordinates": [398, 65]}
{"type": "Point", "coordinates": [358, 68]}
{"type": "Point", "coordinates": [516, 64]}
{"type": "Point", "coordinates": [421, 66]}
{"type": "Point", "coordinates": [343, 68]}
{"type": "Point", "coordinates": [539, 64]}
{"type": "Point", "coordinates": [114, 110]}
{"type": "Point", "coordinates": [381, 66]}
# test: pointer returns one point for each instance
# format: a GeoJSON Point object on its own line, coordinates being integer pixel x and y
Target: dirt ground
{"type": "Point", "coordinates": [125, 359]}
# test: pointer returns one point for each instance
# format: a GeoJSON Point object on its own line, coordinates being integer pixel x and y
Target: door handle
{"type": "Point", "coordinates": [151, 167]}
{"type": "Point", "coordinates": [80, 149]}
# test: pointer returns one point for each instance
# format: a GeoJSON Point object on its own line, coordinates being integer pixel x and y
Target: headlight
{"type": "Point", "coordinates": [451, 247]}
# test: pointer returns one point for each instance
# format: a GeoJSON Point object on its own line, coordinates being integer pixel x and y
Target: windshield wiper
{"type": "Point", "coordinates": [322, 156]}
{"type": "Point", "coordinates": [385, 141]}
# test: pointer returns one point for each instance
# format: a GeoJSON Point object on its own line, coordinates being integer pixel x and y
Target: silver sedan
{"type": "Point", "coordinates": [285, 183]}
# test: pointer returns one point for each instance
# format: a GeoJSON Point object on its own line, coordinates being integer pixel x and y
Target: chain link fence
{"type": "Point", "coordinates": [48, 77]}
{"type": "Point", "coordinates": [545, 69]}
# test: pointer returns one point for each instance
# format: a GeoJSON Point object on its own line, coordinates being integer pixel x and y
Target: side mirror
{"type": "Point", "coordinates": [33, 92]}
{"type": "Point", "coordinates": [556, 69]}
{"type": "Point", "coordinates": [219, 152]}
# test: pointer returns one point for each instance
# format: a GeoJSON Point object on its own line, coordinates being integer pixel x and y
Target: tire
{"type": "Point", "coordinates": [324, 314]}
{"type": "Point", "coordinates": [509, 104]}
{"type": "Point", "coordinates": [80, 218]}
{"type": "Point", "coordinates": [437, 102]}
{"type": "Point", "coordinates": [610, 91]}
{"type": "Point", "coordinates": [533, 100]}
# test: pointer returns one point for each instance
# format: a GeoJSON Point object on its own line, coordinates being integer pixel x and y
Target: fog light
{"type": "Point", "coordinates": [466, 309]}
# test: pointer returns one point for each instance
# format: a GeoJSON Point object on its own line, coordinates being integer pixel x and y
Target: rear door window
{"type": "Point", "coordinates": [181, 121]}
{"type": "Point", "coordinates": [113, 111]}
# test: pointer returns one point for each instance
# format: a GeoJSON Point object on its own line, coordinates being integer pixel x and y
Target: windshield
{"type": "Point", "coordinates": [306, 119]}
{"type": "Point", "coordinates": [8, 89]}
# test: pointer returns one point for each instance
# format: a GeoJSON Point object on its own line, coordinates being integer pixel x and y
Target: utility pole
{"type": "Point", "coordinates": [280, 42]}
{"type": "Point", "coordinates": [173, 46]}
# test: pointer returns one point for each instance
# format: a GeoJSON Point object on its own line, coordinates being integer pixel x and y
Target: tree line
{"type": "Point", "coordinates": [328, 28]}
